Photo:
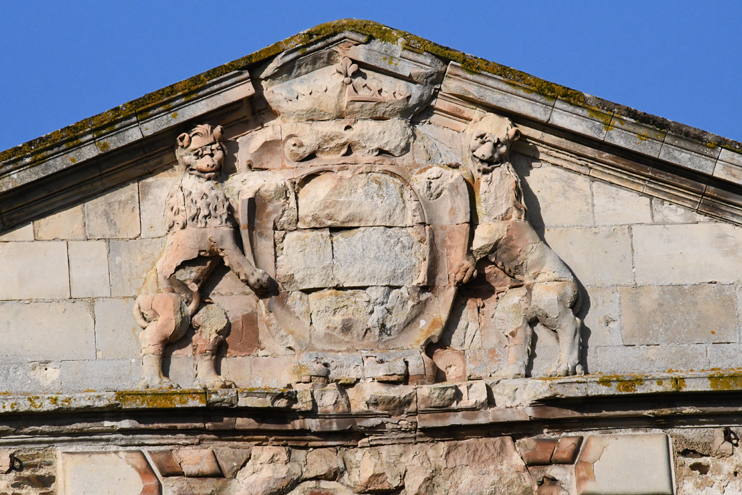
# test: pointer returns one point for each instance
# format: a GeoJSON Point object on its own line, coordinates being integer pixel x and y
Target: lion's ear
{"type": "Point", "coordinates": [184, 140]}
{"type": "Point", "coordinates": [514, 135]}
{"type": "Point", "coordinates": [218, 131]}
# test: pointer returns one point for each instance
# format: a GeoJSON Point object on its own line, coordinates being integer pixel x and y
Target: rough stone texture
{"type": "Point", "coordinates": [364, 200]}
{"type": "Point", "coordinates": [200, 463]}
{"type": "Point", "coordinates": [471, 470]}
{"type": "Point", "coordinates": [88, 268]}
{"type": "Point", "coordinates": [67, 224]}
{"type": "Point", "coordinates": [24, 330]}
{"type": "Point", "coordinates": [114, 215]}
{"type": "Point", "coordinates": [378, 256]}
{"type": "Point", "coordinates": [687, 254]}
{"type": "Point", "coordinates": [597, 256]}
{"type": "Point", "coordinates": [129, 262]}
{"type": "Point", "coordinates": [34, 270]}
{"type": "Point", "coordinates": [678, 314]}
{"type": "Point", "coordinates": [615, 206]}
{"type": "Point", "coordinates": [270, 470]}
{"type": "Point", "coordinates": [306, 260]}
{"type": "Point", "coordinates": [34, 472]}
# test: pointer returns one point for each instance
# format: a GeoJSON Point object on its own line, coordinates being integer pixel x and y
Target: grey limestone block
{"type": "Point", "coordinates": [114, 215]}
{"type": "Point", "coordinates": [67, 224]}
{"type": "Point", "coordinates": [647, 359]}
{"type": "Point", "coordinates": [47, 330]}
{"type": "Point", "coordinates": [35, 377]}
{"type": "Point", "coordinates": [152, 195]}
{"type": "Point", "coordinates": [100, 375]}
{"type": "Point", "coordinates": [34, 270]}
{"type": "Point", "coordinates": [557, 198]}
{"type": "Point", "coordinates": [687, 254]}
{"type": "Point", "coordinates": [129, 262]}
{"type": "Point", "coordinates": [616, 206]}
{"type": "Point", "coordinates": [377, 256]}
{"type": "Point", "coordinates": [116, 330]}
{"type": "Point", "coordinates": [597, 256]}
{"type": "Point", "coordinates": [89, 268]}
{"type": "Point", "coordinates": [693, 314]}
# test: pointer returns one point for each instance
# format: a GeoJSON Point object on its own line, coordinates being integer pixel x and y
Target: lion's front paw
{"type": "Point", "coordinates": [259, 280]}
{"type": "Point", "coordinates": [566, 369]}
{"type": "Point", "coordinates": [157, 383]}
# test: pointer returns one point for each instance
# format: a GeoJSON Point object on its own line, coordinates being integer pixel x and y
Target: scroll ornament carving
{"type": "Point", "coordinates": [200, 233]}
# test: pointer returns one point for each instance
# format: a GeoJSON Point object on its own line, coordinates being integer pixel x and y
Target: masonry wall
{"type": "Point", "coordinates": [660, 290]}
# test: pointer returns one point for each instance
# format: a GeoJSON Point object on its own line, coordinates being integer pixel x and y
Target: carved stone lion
{"type": "Point", "coordinates": [201, 232]}
{"type": "Point", "coordinates": [545, 290]}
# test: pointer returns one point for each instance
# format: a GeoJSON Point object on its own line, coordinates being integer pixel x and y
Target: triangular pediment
{"type": "Point", "coordinates": [694, 168]}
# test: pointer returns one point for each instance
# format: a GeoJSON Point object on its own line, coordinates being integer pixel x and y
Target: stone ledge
{"type": "Point", "coordinates": [471, 402]}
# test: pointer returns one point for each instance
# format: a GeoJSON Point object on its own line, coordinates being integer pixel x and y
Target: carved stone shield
{"type": "Point", "coordinates": [359, 232]}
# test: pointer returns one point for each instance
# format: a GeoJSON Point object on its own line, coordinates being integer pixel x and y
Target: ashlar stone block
{"type": "Point", "coordinates": [129, 262]}
{"type": "Point", "coordinates": [306, 260]}
{"type": "Point", "coordinates": [647, 359]}
{"type": "Point", "coordinates": [23, 233]}
{"type": "Point", "coordinates": [693, 314]}
{"type": "Point", "coordinates": [597, 256]}
{"type": "Point", "coordinates": [378, 256]}
{"type": "Point", "coordinates": [666, 212]}
{"type": "Point", "coordinates": [100, 375]}
{"type": "Point", "coordinates": [114, 215]}
{"type": "Point", "coordinates": [557, 198]}
{"type": "Point", "coordinates": [31, 377]}
{"type": "Point", "coordinates": [67, 224]}
{"type": "Point", "coordinates": [47, 331]}
{"type": "Point", "coordinates": [603, 317]}
{"type": "Point", "coordinates": [116, 331]}
{"type": "Point", "coordinates": [626, 464]}
{"type": "Point", "coordinates": [687, 254]}
{"type": "Point", "coordinates": [616, 206]}
{"type": "Point", "coordinates": [107, 473]}
{"type": "Point", "coordinates": [152, 195]}
{"type": "Point", "coordinates": [34, 270]}
{"type": "Point", "coordinates": [343, 200]}
{"type": "Point", "coordinates": [89, 268]}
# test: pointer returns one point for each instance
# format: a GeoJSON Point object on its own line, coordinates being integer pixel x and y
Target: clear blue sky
{"type": "Point", "coordinates": [61, 62]}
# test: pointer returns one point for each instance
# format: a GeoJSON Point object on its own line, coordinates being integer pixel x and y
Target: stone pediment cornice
{"type": "Point", "coordinates": [566, 127]}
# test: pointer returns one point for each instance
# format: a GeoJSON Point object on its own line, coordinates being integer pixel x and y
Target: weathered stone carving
{"type": "Point", "coordinates": [545, 290]}
{"type": "Point", "coordinates": [367, 240]}
{"type": "Point", "coordinates": [200, 234]}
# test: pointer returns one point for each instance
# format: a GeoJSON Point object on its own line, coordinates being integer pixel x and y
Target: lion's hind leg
{"type": "Point", "coordinates": [551, 304]}
{"type": "Point", "coordinates": [167, 319]}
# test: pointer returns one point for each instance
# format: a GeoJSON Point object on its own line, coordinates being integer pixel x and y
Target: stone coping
{"type": "Point", "coordinates": [509, 89]}
{"type": "Point", "coordinates": [490, 400]}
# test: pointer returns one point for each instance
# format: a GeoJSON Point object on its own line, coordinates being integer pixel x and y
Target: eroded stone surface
{"type": "Point", "coordinates": [362, 200]}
